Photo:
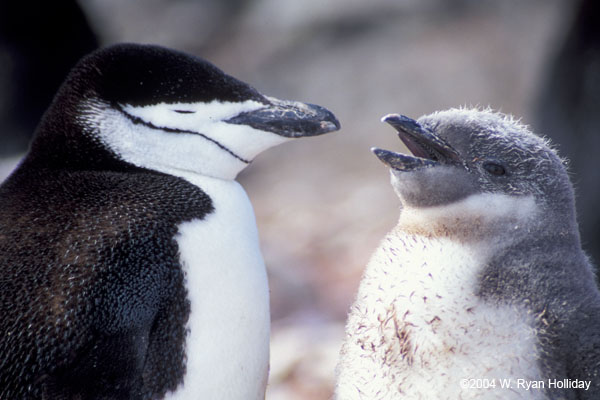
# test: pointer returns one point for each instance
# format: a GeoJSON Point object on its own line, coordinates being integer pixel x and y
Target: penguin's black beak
{"type": "Point", "coordinates": [290, 119]}
{"type": "Point", "coordinates": [427, 148]}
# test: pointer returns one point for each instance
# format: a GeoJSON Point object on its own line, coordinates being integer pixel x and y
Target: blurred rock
{"type": "Point", "coordinates": [195, 26]}
{"type": "Point", "coordinates": [303, 360]}
{"type": "Point", "coordinates": [39, 43]}
{"type": "Point", "coordinates": [568, 113]}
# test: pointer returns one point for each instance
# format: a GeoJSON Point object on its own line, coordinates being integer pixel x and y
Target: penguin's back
{"type": "Point", "coordinates": [92, 293]}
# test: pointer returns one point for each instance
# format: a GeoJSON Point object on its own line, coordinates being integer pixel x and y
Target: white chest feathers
{"type": "Point", "coordinates": [418, 330]}
{"type": "Point", "coordinates": [227, 345]}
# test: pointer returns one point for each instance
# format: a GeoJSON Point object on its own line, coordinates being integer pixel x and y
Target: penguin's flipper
{"type": "Point", "coordinates": [110, 367]}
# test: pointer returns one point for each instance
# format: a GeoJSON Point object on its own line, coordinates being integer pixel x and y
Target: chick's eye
{"type": "Point", "coordinates": [494, 168]}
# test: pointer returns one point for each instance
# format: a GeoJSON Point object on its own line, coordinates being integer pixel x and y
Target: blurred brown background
{"type": "Point", "coordinates": [322, 204]}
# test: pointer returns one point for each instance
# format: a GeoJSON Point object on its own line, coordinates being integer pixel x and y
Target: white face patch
{"type": "Point", "coordinates": [190, 116]}
{"type": "Point", "coordinates": [191, 137]}
{"type": "Point", "coordinates": [472, 219]}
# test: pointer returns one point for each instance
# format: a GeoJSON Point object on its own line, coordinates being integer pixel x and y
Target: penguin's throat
{"type": "Point", "coordinates": [476, 218]}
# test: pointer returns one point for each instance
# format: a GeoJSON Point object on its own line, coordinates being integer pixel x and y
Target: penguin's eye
{"type": "Point", "coordinates": [494, 168]}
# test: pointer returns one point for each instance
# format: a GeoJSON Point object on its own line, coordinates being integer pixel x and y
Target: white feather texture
{"type": "Point", "coordinates": [418, 327]}
{"type": "Point", "coordinates": [227, 346]}
{"type": "Point", "coordinates": [483, 218]}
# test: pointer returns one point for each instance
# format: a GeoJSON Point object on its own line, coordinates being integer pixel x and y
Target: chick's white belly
{"type": "Point", "coordinates": [418, 329]}
{"type": "Point", "coordinates": [227, 345]}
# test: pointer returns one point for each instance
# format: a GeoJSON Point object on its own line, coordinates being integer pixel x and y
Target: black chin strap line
{"type": "Point", "coordinates": [139, 121]}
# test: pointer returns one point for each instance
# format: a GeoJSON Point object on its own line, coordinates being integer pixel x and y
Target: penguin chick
{"type": "Point", "coordinates": [130, 266]}
{"type": "Point", "coordinates": [482, 287]}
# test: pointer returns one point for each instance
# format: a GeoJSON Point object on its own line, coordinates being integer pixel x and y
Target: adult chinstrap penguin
{"type": "Point", "coordinates": [482, 289]}
{"type": "Point", "coordinates": [130, 266]}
